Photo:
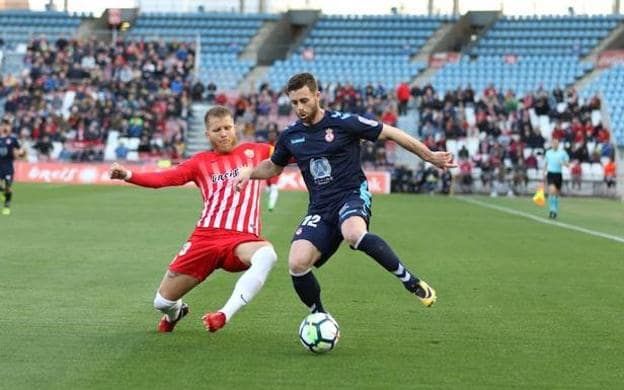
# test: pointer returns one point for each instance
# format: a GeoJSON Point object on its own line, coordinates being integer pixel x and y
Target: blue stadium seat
{"type": "Point", "coordinates": [20, 26]}
{"type": "Point", "coordinates": [609, 84]}
{"type": "Point", "coordinates": [223, 36]}
{"type": "Point", "coordinates": [546, 35]}
{"type": "Point", "coordinates": [361, 49]}
{"type": "Point", "coordinates": [529, 73]}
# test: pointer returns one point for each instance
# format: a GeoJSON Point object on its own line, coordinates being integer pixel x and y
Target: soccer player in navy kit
{"type": "Point", "coordinates": [10, 149]}
{"type": "Point", "coordinates": [326, 147]}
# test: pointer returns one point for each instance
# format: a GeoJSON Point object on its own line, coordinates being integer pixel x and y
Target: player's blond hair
{"type": "Point", "coordinates": [217, 112]}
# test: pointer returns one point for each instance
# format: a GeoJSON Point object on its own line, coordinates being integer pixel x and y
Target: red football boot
{"type": "Point", "coordinates": [164, 326]}
{"type": "Point", "coordinates": [214, 321]}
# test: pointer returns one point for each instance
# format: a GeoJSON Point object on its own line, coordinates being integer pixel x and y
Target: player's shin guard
{"type": "Point", "coordinates": [309, 290]}
{"type": "Point", "coordinates": [378, 249]}
{"type": "Point", "coordinates": [250, 283]}
{"type": "Point", "coordinates": [170, 308]}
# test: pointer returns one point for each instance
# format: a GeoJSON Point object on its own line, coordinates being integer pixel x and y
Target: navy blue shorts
{"type": "Point", "coordinates": [6, 176]}
{"type": "Point", "coordinates": [322, 227]}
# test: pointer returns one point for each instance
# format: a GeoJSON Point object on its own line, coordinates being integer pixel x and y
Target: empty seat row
{"type": "Point", "coordinates": [545, 35]}
{"type": "Point", "coordinates": [370, 33]}
{"type": "Point", "coordinates": [208, 15]}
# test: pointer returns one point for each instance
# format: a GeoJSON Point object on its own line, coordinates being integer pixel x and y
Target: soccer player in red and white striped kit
{"type": "Point", "coordinates": [227, 235]}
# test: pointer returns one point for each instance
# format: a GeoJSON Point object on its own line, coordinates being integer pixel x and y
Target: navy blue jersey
{"type": "Point", "coordinates": [328, 155]}
{"type": "Point", "coordinates": [7, 152]}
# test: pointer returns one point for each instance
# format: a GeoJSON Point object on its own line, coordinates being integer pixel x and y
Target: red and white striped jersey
{"type": "Point", "coordinates": [224, 207]}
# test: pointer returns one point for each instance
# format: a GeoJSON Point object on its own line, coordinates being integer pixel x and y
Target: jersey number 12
{"type": "Point", "coordinates": [311, 220]}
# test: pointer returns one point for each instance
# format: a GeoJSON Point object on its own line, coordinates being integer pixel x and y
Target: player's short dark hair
{"type": "Point", "coordinates": [217, 112]}
{"type": "Point", "coordinates": [301, 80]}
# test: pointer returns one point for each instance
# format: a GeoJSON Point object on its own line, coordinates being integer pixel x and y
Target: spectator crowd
{"type": "Point", "coordinates": [74, 92]}
{"type": "Point", "coordinates": [508, 134]}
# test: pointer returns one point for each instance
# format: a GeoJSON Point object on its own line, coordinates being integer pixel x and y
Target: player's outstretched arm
{"type": "Point", "coordinates": [442, 160]}
{"type": "Point", "coordinates": [265, 170]}
{"type": "Point", "coordinates": [177, 176]}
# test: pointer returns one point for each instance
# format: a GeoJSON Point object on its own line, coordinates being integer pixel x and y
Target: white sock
{"type": "Point", "coordinates": [170, 308]}
{"type": "Point", "coordinates": [251, 281]}
{"type": "Point", "coordinates": [273, 193]}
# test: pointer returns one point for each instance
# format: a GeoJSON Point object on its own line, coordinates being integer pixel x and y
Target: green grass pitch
{"type": "Point", "coordinates": [521, 304]}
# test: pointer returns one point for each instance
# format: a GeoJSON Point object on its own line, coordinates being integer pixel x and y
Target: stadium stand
{"type": "Point", "coordinates": [522, 74]}
{"type": "Point", "coordinates": [360, 49]}
{"type": "Point", "coordinates": [20, 26]}
{"type": "Point", "coordinates": [496, 108]}
{"type": "Point", "coordinates": [221, 37]}
{"type": "Point", "coordinates": [546, 35]}
{"type": "Point", "coordinates": [609, 82]}
{"type": "Point", "coordinates": [73, 96]}
{"type": "Point", "coordinates": [500, 139]}
{"type": "Point", "coordinates": [526, 53]}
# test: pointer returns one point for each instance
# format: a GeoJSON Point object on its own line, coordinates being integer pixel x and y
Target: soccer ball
{"type": "Point", "coordinates": [319, 332]}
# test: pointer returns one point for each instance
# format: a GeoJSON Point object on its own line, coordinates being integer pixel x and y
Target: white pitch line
{"type": "Point", "coordinates": [542, 220]}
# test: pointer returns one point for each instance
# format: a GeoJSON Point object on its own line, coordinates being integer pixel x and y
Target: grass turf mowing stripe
{"type": "Point", "coordinates": [543, 220]}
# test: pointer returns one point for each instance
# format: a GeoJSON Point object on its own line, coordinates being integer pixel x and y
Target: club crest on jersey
{"type": "Point", "coordinates": [329, 135]}
{"type": "Point", "coordinates": [249, 153]}
{"type": "Point", "coordinates": [321, 170]}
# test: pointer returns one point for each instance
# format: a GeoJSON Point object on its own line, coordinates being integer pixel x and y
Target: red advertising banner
{"type": "Point", "coordinates": [67, 173]}
{"type": "Point", "coordinates": [438, 60]}
{"type": "Point", "coordinates": [290, 179]}
{"type": "Point", "coordinates": [609, 58]}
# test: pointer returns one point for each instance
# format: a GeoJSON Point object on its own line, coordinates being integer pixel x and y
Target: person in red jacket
{"type": "Point", "coordinates": [227, 234]}
{"type": "Point", "coordinates": [610, 173]}
{"type": "Point", "coordinates": [403, 96]}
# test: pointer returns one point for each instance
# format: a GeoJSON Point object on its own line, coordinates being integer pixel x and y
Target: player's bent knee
{"type": "Point", "coordinates": [299, 264]}
{"type": "Point", "coordinates": [353, 237]}
{"type": "Point", "coordinates": [271, 255]}
{"type": "Point", "coordinates": [161, 303]}
{"type": "Point", "coordinates": [302, 256]}
{"type": "Point", "coordinates": [266, 256]}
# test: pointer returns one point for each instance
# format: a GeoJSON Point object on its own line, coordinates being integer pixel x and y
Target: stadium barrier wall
{"type": "Point", "coordinates": [85, 173]}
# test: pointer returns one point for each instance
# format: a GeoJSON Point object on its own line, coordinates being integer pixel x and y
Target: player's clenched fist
{"type": "Point", "coordinates": [117, 171]}
{"type": "Point", "coordinates": [242, 179]}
